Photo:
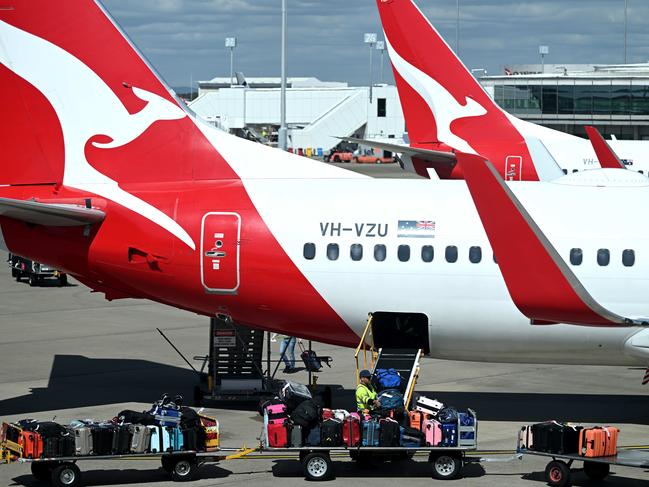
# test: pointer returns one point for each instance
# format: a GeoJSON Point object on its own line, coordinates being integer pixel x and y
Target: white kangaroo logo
{"type": "Point", "coordinates": [87, 107]}
{"type": "Point", "coordinates": [444, 106]}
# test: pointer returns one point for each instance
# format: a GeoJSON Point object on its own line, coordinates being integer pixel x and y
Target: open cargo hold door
{"type": "Point", "coordinates": [400, 330]}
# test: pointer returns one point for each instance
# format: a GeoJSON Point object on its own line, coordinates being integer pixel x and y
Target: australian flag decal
{"type": "Point", "coordinates": [416, 228]}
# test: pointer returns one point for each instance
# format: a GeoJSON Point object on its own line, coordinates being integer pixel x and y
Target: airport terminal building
{"type": "Point", "coordinates": [614, 98]}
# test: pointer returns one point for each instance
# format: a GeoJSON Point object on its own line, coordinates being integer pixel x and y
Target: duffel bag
{"type": "Point", "coordinates": [306, 413]}
{"type": "Point", "coordinates": [390, 399]}
{"type": "Point", "coordinates": [387, 379]}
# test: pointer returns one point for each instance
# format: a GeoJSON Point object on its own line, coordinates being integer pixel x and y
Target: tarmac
{"type": "Point", "coordinates": [66, 353]}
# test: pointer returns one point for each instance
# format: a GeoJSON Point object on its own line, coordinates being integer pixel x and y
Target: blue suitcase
{"type": "Point", "coordinates": [371, 433]}
{"type": "Point", "coordinates": [449, 434]}
{"type": "Point", "coordinates": [177, 439]}
{"type": "Point", "coordinates": [313, 436]}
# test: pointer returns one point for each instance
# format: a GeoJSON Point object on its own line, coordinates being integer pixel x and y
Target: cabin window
{"type": "Point", "coordinates": [427, 253]}
{"type": "Point", "coordinates": [379, 253]}
{"type": "Point", "coordinates": [576, 256]}
{"type": "Point", "coordinates": [451, 253]}
{"type": "Point", "coordinates": [641, 171]}
{"type": "Point", "coordinates": [403, 252]}
{"type": "Point", "coordinates": [575, 170]}
{"type": "Point", "coordinates": [603, 257]}
{"type": "Point", "coordinates": [332, 251]}
{"type": "Point", "coordinates": [356, 251]}
{"type": "Point", "coordinates": [309, 251]}
{"type": "Point", "coordinates": [495, 261]}
{"type": "Point", "coordinates": [475, 254]}
{"type": "Point", "coordinates": [628, 257]}
{"type": "Point", "coordinates": [565, 171]}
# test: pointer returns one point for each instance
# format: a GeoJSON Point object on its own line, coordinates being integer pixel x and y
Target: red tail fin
{"type": "Point", "coordinates": [442, 101]}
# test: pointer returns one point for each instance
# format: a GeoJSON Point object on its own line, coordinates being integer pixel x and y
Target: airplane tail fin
{"type": "Point", "coordinates": [85, 106]}
{"type": "Point", "coordinates": [442, 101]}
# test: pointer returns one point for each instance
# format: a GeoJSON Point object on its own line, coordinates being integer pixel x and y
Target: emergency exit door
{"type": "Point", "coordinates": [220, 233]}
{"type": "Point", "coordinates": [513, 168]}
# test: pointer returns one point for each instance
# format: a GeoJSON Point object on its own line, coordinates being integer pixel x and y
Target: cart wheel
{"type": "Point", "coordinates": [14, 273]}
{"type": "Point", "coordinates": [42, 470]}
{"type": "Point", "coordinates": [317, 466]}
{"type": "Point", "coordinates": [32, 280]}
{"type": "Point", "coordinates": [63, 280]}
{"type": "Point", "coordinates": [66, 475]}
{"type": "Point", "coordinates": [184, 469]}
{"type": "Point", "coordinates": [557, 473]}
{"type": "Point", "coordinates": [167, 463]}
{"type": "Point", "coordinates": [445, 466]}
{"type": "Point", "coordinates": [596, 470]}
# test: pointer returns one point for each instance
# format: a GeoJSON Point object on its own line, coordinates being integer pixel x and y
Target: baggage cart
{"type": "Point", "coordinates": [446, 462]}
{"type": "Point", "coordinates": [557, 471]}
{"type": "Point", "coordinates": [182, 466]}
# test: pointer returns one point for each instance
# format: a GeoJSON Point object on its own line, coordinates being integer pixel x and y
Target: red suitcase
{"type": "Point", "coordinates": [352, 430]}
{"type": "Point", "coordinates": [278, 435]}
{"type": "Point", "coordinates": [32, 444]}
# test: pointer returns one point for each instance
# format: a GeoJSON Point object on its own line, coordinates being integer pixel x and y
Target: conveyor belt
{"type": "Point", "coordinates": [405, 361]}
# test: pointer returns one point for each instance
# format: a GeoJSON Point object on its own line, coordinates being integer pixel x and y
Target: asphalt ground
{"type": "Point", "coordinates": [66, 353]}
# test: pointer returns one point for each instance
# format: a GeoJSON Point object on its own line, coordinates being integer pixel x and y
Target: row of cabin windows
{"type": "Point", "coordinates": [565, 171]}
{"type": "Point", "coordinates": [403, 252]}
{"type": "Point", "coordinates": [603, 257]}
{"type": "Point", "coordinates": [451, 254]}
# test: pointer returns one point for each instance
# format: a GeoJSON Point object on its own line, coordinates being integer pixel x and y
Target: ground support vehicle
{"type": "Point", "coordinates": [338, 156]}
{"type": "Point", "coordinates": [557, 471]}
{"type": "Point", "coordinates": [446, 462]}
{"type": "Point", "coordinates": [35, 272]}
{"type": "Point", "coordinates": [182, 466]}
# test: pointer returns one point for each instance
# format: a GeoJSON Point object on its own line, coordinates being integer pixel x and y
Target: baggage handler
{"type": "Point", "coordinates": [365, 393]}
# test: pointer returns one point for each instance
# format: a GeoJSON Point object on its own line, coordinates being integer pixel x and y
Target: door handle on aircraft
{"type": "Point", "coordinates": [214, 253]}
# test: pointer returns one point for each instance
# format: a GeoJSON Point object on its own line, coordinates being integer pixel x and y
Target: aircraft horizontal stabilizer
{"type": "Point", "coordinates": [606, 156]}
{"type": "Point", "coordinates": [49, 214]}
{"type": "Point", "coordinates": [539, 281]}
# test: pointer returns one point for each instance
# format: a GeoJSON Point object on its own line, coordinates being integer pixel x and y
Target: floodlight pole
{"type": "Point", "coordinates": [231, 43]}
{"type": "Point", "coordinates": [380, 45]}
{"type": "Point", "coordinates": [370, 40]}
{"type": "Point", "coordinates": [282, 135]}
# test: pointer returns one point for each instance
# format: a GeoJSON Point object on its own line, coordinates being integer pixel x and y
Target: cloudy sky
{"type": "Point", "coordinates": [184, 39]}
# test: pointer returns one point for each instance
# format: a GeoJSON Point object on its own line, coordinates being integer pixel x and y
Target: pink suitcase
{"type": "Point", "coordinates": [433, 432]}
{"type": "Point", "coordinates": [276, 413]}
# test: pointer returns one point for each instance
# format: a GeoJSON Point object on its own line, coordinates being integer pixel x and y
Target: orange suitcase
{"type": "Point", "coordinates": [32, 444]}
{"type": "Point", "coordinates": [610, 436]}
{"type": "Point", "coordinates": [416, 419]}
{"type": "Point", "coordinates": [592, 442]}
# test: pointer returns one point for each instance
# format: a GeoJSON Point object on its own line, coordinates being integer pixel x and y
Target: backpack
{"type": "Point", "coordinates": [447, 415]}
{"type": "Point", "coordinates": [306, 413]}
{"type": "Point", "coordinates": [387, 379]}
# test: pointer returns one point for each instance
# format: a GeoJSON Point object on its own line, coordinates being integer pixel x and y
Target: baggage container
{"type": "Point", "coordinates": [140, 438]}
{"type": "Point", "coordinates": [432, 430]}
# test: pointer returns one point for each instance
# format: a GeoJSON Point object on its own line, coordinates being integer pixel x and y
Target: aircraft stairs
{"type": "Point", "coordinates": [404, 360]}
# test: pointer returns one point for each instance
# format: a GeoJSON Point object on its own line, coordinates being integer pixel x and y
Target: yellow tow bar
{"type": "Point", "coordinates": [241, 453]}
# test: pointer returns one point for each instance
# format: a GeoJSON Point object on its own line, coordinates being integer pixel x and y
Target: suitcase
{"type": "Point", "coordinates": [212, 438]}
{"type": "Point", "coordinates": [410, 437]}
{"type": "Point", "coordinates": [432, 430]}
{"type": "Point", "coordinates": [176, 438]}
{"type": "Point", "coordinates": [82, 441]}
{"type": "Point", "coordinates": [278, 435]}
{"type": "Point", "coordinates": [276, 413]}
{"type": "Point", "coordinates": [371, 433]}
{"type": "Point", "coordinates": [51, 447]}
{"type": "Point", "coordinates": [611, 440]}
{"type": "Point", "coordinates": [293, 394]}
{"type": "Point", "coordinates": [312, 437]}
{"type": "Point", "coordinates": [592, 442]}
{"type": "Point", "coordinates": [31, 444]}
{"type": "Point", "coordinates": [167, 417]}
{"type": "Point", "coordinates": [416, 420]}
{"type": "Point", "coordinates": [155, 439]}
{"type": "Point", "coordinates": [121, 440]}
{"type": "Point", "coordinates": [68, 445]}
{"type": "Point", "coordinates": [428, 406]}
{"type": "Point", "coordinates": [553, 437]}
{"type": "Point", "coordinates": [102, 439]}
{"type": "Point", "coordinates": [352, 430]}
{"type": "Point", "coordinates": [310, 359]}
{"type": "Point", "coordinates": [296, 436]}
{"type": "Point", "coordinates": [449, 434]}
{"type": "Point", "coordinates": [140, 438]}
{"type": "Point", "coordinates": [389, 433]}
{"type": "Point", "coordinates": [306, 413]}
{"type": "Point", "coordinates": [166, 435]}
{"type": "Point", "coordinates": [190, 439]}
{"type": "Point", "coordinates": [525, 438]}
{"type": "Point", "coordinates": [331, 433]}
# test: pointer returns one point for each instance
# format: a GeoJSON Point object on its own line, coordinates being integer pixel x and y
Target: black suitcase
{"type": "Point", "coordinates": [389, 434]}
{"type": "Point", "coordinates": [190, 439]}
{"type": "Point", "coordinates": [331, 433]}
{"type": "Point", "coordinates": [553, 437]}
{"type": "Point", "coordinates": [67, 446]}
{"type": "Point", "coordinates": [122, 440]}
{"type": "Point", "coordinates": [102, 439]}
{"type": "Point", "coordinates": [51, 447]}
{"type": "Point", "coordinates": [306, 414]}
{"type": "Point", "coordinates": [310, 359]}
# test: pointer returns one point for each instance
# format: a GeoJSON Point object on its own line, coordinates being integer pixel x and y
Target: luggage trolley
{"type": "Point", "coordinates": [182, 466]}
{"type": "Point", "coordinates": [557, 471]}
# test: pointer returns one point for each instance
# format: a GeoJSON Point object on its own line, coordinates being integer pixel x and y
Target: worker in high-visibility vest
{"type": "Point", "coordinates": [365, 392]}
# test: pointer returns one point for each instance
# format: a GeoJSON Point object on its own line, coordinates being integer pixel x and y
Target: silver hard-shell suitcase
{"type": "Point", "coordinates": [82, 441]}
{"type": "Point", "coordinates": [296, 435]}
{"type": "Point", "coordinates": [140, 438]}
